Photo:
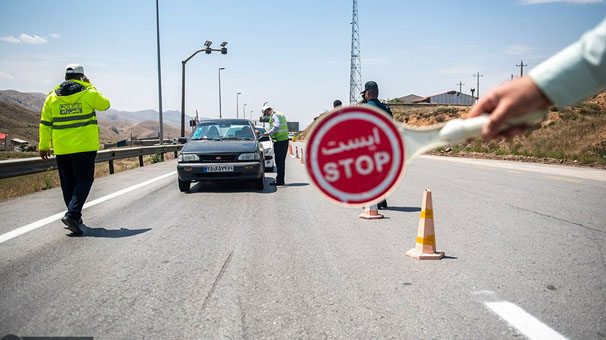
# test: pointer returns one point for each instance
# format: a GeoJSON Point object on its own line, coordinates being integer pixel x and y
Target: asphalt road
{"type": "Point", "coordinates": [229, 262]}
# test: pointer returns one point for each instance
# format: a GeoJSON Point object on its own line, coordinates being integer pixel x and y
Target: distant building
{"type": "Point", "coordinates": [447, 98]}
{"type": "Point", "coordinates": [408, 99]}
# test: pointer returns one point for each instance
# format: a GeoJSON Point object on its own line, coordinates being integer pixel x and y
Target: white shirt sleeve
{"type": "Point", "coordinates": [576, 72]}
{"type": "Point", "coordinates": [276, 124]}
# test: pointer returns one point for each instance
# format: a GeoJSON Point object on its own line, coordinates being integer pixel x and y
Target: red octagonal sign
{"type": "Point", "coordinates": [355, 155]}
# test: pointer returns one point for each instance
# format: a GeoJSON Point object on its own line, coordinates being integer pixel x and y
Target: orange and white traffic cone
{"type": "Point", "coordinates": [371, 213]}
{"type": "Point", "coordinates": [296, 152]}
{"type": "Point", "coordinates": [426, 238]}
{"type": "Point", "coordinates": [290, 149]}
{"type": "Point", "coordinates": [302, 161]}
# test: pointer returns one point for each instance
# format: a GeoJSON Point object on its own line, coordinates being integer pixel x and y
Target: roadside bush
{"type": "Point", "coordinates": [157, 157]}
{"type": "Point", "coordinates": [567, 114]}
{"type": "Point", "coordinates": [447, 110]}
{"type": "Point", "coordinates": [589, 109]}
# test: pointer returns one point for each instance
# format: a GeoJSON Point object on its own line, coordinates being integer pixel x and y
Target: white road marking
{"type": "Point", "coordinates": [35, 225]}
{"type": "Point", "coordinates": [527, 324]}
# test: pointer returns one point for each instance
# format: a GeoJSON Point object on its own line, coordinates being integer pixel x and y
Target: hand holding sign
{"type": "Point", "coordinates": [356, 155]}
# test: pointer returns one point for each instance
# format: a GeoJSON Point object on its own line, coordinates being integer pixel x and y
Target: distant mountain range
{"type": "Point", "coordinates": [20, 118]}
{"type": "Point", "coordinates": [34, 101]}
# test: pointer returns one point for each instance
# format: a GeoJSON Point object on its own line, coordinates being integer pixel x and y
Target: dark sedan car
{"type": "Point", "coordinates": [222, 149]}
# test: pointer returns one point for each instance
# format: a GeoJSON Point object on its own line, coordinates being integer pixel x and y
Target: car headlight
{"type": "Point", "coordinates": [188, 157]}
{"type": "Point", "coordinates": [250, 156]}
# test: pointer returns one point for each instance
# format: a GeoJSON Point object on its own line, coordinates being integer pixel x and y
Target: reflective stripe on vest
{"type": "Point", "coordinates": [67, 126]}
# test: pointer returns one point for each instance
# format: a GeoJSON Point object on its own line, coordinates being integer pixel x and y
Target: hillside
{"type": "Point", "coordinates": [31, 101]}
{"type": "Point", "coordinates": [21, 123]}
{"type": "Point", "coordinates": [571, 135]}
{"type": "Point", "coordinates": [34, 101]}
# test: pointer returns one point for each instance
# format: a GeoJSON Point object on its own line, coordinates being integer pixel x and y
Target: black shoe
{"type": "Point", "coordinates": [80, 222]}
{"type": "Point", "coordinates": [382, 205]}
{"type": "Point", "coordinates": [72, 225]}
{"type": "Point", "coordinates": [276, 183]}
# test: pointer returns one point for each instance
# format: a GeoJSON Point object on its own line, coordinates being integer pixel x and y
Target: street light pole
{"type": "Point", "coordinates": [237, 104]}
{"type": "Point", "coordinates": [220, 114]}
{"type": "Point", "coordinates": [159, 75]}
{"type": "Point", "coordinates": [244, 111]}
{"type": "Point", "coordinates": [207, 50]}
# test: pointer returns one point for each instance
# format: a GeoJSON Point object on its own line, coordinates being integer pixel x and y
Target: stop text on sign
{"type": "Point", "coordinates": [355, 155]}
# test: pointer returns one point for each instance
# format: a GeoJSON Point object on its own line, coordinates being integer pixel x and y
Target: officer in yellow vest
{"type": "Point", "coordinates": [69, 121]}
{"type": "Point", "coordinates": [279, 135]}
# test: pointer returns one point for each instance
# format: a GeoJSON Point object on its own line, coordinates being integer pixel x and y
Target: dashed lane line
{"type": "Point", "coordinates": [35, 225]}
{"type": "Point", "coordinates": [564, 179]}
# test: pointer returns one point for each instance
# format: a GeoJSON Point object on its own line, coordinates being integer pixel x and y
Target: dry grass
{"type": "Point", "coordinates": [574, 134]}
{"type": "Point", "coordinates": [23, 185]}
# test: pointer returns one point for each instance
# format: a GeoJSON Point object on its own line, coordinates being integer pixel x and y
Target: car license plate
{"type": "Point", "coordinates": [219, 168]}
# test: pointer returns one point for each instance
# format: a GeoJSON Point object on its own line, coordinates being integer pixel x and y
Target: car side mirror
{"type": "Point", "coordinates": [182, 140]}
{"type": "Point", "coordinates": [263, 138]}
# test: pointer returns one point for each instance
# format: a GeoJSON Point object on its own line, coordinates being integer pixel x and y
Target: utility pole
{"type": "Point", "coordinates": [460, 86]}
{"type": "Point", "coordinates": [220, 68]}
{"type": "Point", "coordinates": [472, 91]}
{"type": "Point", "coordinates": [478, 75]}
{"type": "Point", "coordinates": [521, 68]}
{"type": "Point", "coordinates": [159, 75]}
{"type": "Point", "coordinates": [355, 74]}
{"type": "Point", "coordinates": [237, 105]}
{"type": "Point", "coordinates": [244, 111]}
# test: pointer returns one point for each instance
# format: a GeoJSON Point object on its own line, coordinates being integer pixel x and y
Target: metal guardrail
{"type": "Point", "coordinates": [26, 166]}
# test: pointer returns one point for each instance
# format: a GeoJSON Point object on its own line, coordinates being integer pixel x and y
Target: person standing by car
{"type": "Point", "coordinates": [69, 121]}
{"type": "Point", "coordinates": [279, 135]}
{"type": "Point", "coordinates": [370, 96]}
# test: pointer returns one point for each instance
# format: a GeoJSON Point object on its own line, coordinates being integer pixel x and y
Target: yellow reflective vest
{"type": "Point", "coordinates": [282, 133]}
{"type": "Point", "coordinates": [70, 121]}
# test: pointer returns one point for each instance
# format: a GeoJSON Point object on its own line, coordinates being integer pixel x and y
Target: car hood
{"type": "Point", "coordinates": [225, 146]}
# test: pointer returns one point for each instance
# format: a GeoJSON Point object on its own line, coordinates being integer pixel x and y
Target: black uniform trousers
{"type": "Point", "coordinates": [77, 172]}
{"type": "Point", "coordinates": [280, 151]}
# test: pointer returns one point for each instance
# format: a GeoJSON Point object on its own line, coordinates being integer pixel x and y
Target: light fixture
{"type": "Point", "coordinates": [208, 43]}
{"type": "Point", "coordinates": [223, 44]}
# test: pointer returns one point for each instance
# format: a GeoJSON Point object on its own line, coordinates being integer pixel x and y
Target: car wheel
{"type": "Point", "coordinates": [260, 183]}
{"type": "Point", "coordinates": [184, 185]}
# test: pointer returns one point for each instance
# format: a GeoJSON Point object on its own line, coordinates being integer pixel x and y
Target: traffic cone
{"type": "Point", "coordinates": [371, 213]}
{"type": "Point", "coordinates": [290, 149]}
{"type": "Point", "coordinates": [426, 239]}
{"type": "Point", "coordinates": [302, 161]}
{"type": "Point", "coordinates": [296, 152]}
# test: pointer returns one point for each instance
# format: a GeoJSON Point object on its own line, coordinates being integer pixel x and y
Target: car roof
{"type": "Point", "coordinates": [225, 121]}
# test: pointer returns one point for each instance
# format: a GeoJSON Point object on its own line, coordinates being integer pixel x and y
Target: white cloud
{"type": "Point", "coordinates": [517, 49]}
{"type": "Point", "coordinates": [576, 2]}
{"type": "Point", "coordinates": [6, 76]}
{"type": "Point", "coordinates": [10, 39]}
{"type": "Point", "coordinates": [55, 35]}
{"type": "Point", "coordinates": [28, 39]}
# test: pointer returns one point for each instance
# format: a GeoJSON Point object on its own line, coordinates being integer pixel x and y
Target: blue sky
{"type": "Point", "coordinates": [294, 54]}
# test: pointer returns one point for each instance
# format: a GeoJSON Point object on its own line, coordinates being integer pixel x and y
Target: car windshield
{"type": "Point", "coordinates": [223, 131]}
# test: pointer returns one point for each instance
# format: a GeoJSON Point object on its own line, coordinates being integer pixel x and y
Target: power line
{"type": "Point", "coordinates": [355, 75]}
{"type": "Point", "coordinates": [478, 75]}
{"type": "Point", "coordinates": [460, 86]}
{"type": "Point", "coordinates": [521, 67]}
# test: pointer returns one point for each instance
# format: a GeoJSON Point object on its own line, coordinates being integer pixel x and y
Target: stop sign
{"type": "Point", "coordinates": [355, 155]}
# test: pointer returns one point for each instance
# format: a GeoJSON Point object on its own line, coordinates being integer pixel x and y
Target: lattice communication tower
{"type": "Point", "coordinates": [355, 75]}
